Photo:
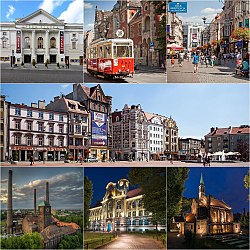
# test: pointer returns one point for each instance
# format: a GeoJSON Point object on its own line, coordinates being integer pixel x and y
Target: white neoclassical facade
{"type": "Point", "coordinates": [41, 37]}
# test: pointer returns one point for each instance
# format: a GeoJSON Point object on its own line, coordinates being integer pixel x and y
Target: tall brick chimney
{"type": "Point", "coordinates": [9, 206]}
{"type": "Point", "coordinates": [34, 201]}
{"type": "Point", "coordinates": [47, 192]}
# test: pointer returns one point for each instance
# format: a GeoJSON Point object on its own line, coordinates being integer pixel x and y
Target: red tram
{"type": "Point", "coordinates": [111, 58]}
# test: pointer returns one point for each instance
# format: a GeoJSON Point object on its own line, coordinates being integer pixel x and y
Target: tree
{"type": "Point", "coordinates": [70, 242]}
{"type": "Point", "coordinates": [153, 184]}
{"type": "Point", "coordinates": [88, 194]}
{"type": "Point", "coordinates": [246, 182]}
{"type": "Point", "coordinates": [243, 149]}
{"type": "Point", "coordinates": [176, 178]}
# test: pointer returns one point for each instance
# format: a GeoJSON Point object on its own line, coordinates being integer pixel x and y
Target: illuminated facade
{"type": "Point", "coordinates": [210, 215]}
{"type": "Point", "coordinates": [121, 210]}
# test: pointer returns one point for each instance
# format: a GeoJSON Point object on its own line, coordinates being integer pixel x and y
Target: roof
{"type": "Point", "coordinates": [190, 217]}
{"type": "Point", "coordinates": [179, 218]}
{"type": "Point", "coordinates": [42, 204]}
{"type": "Point", "coordinates": [201, 180]}
{"type": "Point", "coordinates": [217, 203]}
{"type": "Point", "coordinates": [244, 129]}
{"type": "Point", "coordinates": [31, 219]}
{"type": "Point", "coordinates": [63, 224]}
{"type": "Point", "coordinates": [134, 192]}
{"type": "Point", "coordinates": [240, 130]}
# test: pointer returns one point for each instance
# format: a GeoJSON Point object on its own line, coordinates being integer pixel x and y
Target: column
{"type": "Point", "coordinates": [33, 49]}
{"type": "Point", "coordinates": [46, 57]}
{"type": "Point", "coordinates": [26, 155]}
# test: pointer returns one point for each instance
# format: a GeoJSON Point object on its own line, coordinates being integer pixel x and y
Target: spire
{"type": "Point", "coordinates": [201, 180]}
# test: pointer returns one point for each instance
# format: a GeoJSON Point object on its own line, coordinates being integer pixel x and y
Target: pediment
{"type": "Point", "coordinates": [39, 17]}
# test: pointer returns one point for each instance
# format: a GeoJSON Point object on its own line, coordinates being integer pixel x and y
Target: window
{"type": "Point", "coordinates": [40, 141]}
{"type": "Point", "coordinates": [29, 113]}
{"type": "Point", "coordinates": [74, 34]}
{"type": "Point", "coordinates": [17, 111]}
{"type": "Point", "coordinates": [134, 222]}
{"type": "Point", "coordinates": [40, 43]}
{"type": "Point", "coordinates": [118, 222]}
{"type": "Point", "coordinates": [73, 45]}
{"type": "Point", "coordinates": [118, 206]}
{"type": "Point", "coordinates": [140, 213]}
{"type": "Point", "coordinates": [51, 142]}
{"type": "Point", "coordinates": [61, 142]}
{"type": "Point", "coordinates": [29, 140]}
{"type": "Point", "coordinates": [52, 42]}
{"type": "Point", "coordinates": [27, 43]}
{"type": "Point", "coordinates": [134, 213]}
{"type": "Point", "coordinates": [29, 126]}
{"type": "Point", "coordinates": [51, 116]}
{"type": "Point", "coordinates": [61, 129]}
{"type": "Point", "coordinates": [51, 128]}
{"type": "Point", "coordinates": [129, 222]}
{"type": "Point", "coordinates": [140, 222]}
{"type": "Point", "coordinates": [61, 118]}
{"type": "Point", "coordinates": [40, 126]}
{"type": "Point", "coordinates": [129, 214]}
{"type": "Point", "coordinates": [18, 125]}
{"type": "Point", "coordinates": [40, 115]}
{"type": "Point", "coordinates": [133, 204]}
{"type": "Point", "coordinates": [4, 33]}
{"type": "Point", "coordinates": [17, 139]}
{"type": "Point", "coordinates": [146, 222]}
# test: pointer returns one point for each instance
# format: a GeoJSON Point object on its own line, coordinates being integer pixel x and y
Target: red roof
{"type": "Point", "coordinates": [134, 192]}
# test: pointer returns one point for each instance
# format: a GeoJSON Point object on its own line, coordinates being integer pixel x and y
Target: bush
{"type": "Point", "coordinates": [15, 156]}
{"type": "Point", "coordinates": [190, 239]}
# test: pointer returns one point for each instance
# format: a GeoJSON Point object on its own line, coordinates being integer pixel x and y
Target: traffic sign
{"type": "Point", "coordinates": [152, 44]}
{"type": "Point", "coordinates": [119, 33]}
{"type": "Point", "coordinates": [177, 7]}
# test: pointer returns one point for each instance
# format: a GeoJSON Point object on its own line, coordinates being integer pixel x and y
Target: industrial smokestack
{"type": "Point", "coordinates": [47, 192]}
{"type": "Point", "coordinates": [9, 206]}
{"type": "Point", "coordinates": [34, 201]}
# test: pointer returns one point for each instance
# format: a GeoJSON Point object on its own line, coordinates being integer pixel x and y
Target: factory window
{"type": "Point", "coordinates": [40, 43]}
{"type": "Point", "coordinates": [52, 42]}
{"type": "Point", "coordinates": [17, 111]}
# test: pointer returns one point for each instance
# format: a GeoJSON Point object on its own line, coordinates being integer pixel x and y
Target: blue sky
{"type": "Point", "coordinates": [195, 107]}
{"type": "Point", "coordinates": [69, 10]}
{"type": "Point", "coordinates": [222, 183]}
{"type": "Point", "coordinates": [65, 186]}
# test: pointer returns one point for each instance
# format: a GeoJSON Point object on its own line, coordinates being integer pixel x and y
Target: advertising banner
{"type": "Point", "coordinates": [99, 129]}
{"type": "Point", "coordinates": [18, 41]}
{"type": "Point", "coordinates": [61, 42]}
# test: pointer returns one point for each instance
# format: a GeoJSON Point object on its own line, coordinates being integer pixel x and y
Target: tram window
{"type": "Point", "coordinates": [100, 52]}
{"type": "Point", "coordinates": [107, 52]}
{"type": "Point", "coordinates": [122, 51]}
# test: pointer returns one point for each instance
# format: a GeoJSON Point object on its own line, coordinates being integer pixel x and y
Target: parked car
{"type": "Point", "coordinates": [91, 159]}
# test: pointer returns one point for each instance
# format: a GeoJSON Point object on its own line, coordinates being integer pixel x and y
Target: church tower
{"type": "Point", "coordinates": [44, 218]}
{"type": "Point", "coordinates": [201, 188]}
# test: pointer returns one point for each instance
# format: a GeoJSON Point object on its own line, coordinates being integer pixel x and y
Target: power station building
{"type": "Point", "coordinates": [121, 210]}
{"type": "Point", "coordinates": [51, 229]}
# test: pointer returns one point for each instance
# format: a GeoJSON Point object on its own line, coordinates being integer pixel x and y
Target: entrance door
{"type": "Point", "coordinates": [22, 155]}
{"type": "Point", "coordinates": [52, 58]}
{"type": "Point", "coordinates": [40, 58]}
{"type": "Point", "coordinates": [66, 59]}
{"type": "Point", "coordinates": [27, 58]}
{"type": "Point", "coordinates": [81, 60]}
{"type": "Point", "coordinates": [109, 227]}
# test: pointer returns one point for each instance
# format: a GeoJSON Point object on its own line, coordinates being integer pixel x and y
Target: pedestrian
{"type": "Point", "coordinates": [196, 61]}
{"type": "Point", "coordinates": [39, 158]}
{"type": "Point", "coordinates": [31, 160]}
{"type": "Point", "coordinates": [208, 161]}
{"type": "Point", "coordinates": [44, 159]}
{"type": "Point", "coordinates": [239, 56]}
{"type": "Point", "coordinates": [202, 59]}
{"type": "Point", "coordinates": [181, 58]}
{"type": "Point", "coordinates": [213, 58]}
{"type": "Point", "coordinates": [81, 159]}
{"type": "Point", "coordinates": [224, 57]}
{"type": "Point", "coordinates": [172, 61]}
{"type": "Point", "coordinates": [204, 161]}
{"type": "Point", "coordinates": [11, 159]}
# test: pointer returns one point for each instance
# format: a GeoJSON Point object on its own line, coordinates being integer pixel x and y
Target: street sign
{"type": "Point", "coordinates": [119, 33]}
{"type": "Point", "coordinates": [168, 28]}
{"type": "Point", "coordinates": [177, 7]}
{"type": "Point", "coordinates": [239, 44]}
{"type": "Point", "coordinates": [152, 44]}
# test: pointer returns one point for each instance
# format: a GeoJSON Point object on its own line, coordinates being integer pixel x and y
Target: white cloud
{"type": "Point", "coordinates": [10, 11]}
{"type": "Point", "coordinates": [74, 12]}
{"type": "Point", "coordinates": [88, 5]}
{"type": "Point", "coordinates": [90, 25]}
{"type": "Point", "coordinates": [197, 19]}
{"type": "Point", "coordinates": [50, 5]}
{"type": "Point", "coordinates": [210, 11]}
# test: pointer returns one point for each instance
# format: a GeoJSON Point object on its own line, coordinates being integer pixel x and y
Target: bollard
{"type": "Point", "coordinates": [87, 245]}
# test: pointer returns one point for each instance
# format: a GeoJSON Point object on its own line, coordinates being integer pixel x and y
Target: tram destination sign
{"type": "Point", "coordinates": [177, 7]}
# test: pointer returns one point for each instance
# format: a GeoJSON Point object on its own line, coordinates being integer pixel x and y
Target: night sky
{"type": "Point", "coordinates": [65, 186]}
{"type": "Point", "coordinates": [100, 177]}
{"type": "Point", "coordinates": [222, 183]}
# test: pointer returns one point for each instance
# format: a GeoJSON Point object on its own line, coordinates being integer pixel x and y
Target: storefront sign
{"type": "Point", "coordinates": [177, 7]}
{"type": "Point", "coordinates": [18, 41]}
{"type": "Point", "coordinates": [61, 42]}
{"type": "Point", "coordinates": [99, 129]}
{"type": "Point", "coordinates": [239, 44]}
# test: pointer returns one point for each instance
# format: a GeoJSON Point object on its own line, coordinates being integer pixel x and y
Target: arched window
{"type": "Point", "coordinates": [26, 42]}
{"type": "Point", "coordinates": [147, 24]}
{"type": "Point", "coordinates": [40, 43]}
{"type": "Point", "coordinates": [52, 42]}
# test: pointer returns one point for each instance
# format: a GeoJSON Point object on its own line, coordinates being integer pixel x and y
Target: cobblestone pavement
{"type": "Point", "coordinates": [126, 241]}
{"type": "Point", "coordinates": [143, 75]}
{"type": "Point", "coordinates": [224, 73]}
{"type": "Point", "coordinates": [125, 164]}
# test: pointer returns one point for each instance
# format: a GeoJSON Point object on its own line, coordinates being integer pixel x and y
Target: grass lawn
{"type": "Point", "coordinates": [94, 240]}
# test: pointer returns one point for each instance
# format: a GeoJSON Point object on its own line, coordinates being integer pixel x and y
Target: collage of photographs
{"type": "Point", "coordinates": [124, 124]}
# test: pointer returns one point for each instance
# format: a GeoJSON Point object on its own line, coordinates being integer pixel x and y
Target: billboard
{"type": "Point", "coordinates": [18, 41]}
{"type": "Point", "coordinates": [99, 129]}
{"type": "Point", "coordinates": [61, 42]}
{"type": "Point", "coordinates": [177, 7]}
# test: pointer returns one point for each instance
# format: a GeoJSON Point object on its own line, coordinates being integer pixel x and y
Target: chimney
{"type": "Point", "coordinates": [212, 130]}
{"type": "Point", "coordinates": [47, 192]}
{"type": "Point", "coordinates": [34, 105]}
{"type": "Point", "coordinates": [56, 98]}
{"type": "Point", "coordinates": [34, 201]}
{"type": "Point", "coordinates": [41, 104]}
{"type": "Point", "coordinates": [9, 205]}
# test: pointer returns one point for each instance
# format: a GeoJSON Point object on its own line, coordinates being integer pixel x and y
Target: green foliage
{"type": "Point", "coordinates": [243, 149]}
{"type": "Point", "coordinates": [71, 242]}
{"type": "Point", "coordinates": [186, 204]}
{"type": "Point", "coordinates": [27, 241]}
{"type": "Point", "coordinates": [176, 178]}
{"type": "Point", "coordinates": [244, 220]}
{"type": "Point", "coordinates": [88, 193]}
{"type": "Point", "coordinates": [153, 183]}
{"type": "Point", "coordinates": [246, 180]}
{"type": "Point", "coordinates": [15, 156]}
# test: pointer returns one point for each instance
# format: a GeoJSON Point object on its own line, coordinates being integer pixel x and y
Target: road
{"type": "Point", "coordinates": [127, 164]}
{"type": "Point", "coordinates": [127, 241]}
{"type": "Point", "coordinates": [224, 73]}
{"type": "Point", "coordinates": [140, 76]}
{"type": "Point", "coordinates": [41, 75]}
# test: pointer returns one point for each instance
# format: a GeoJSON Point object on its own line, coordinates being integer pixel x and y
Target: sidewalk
{"type": "Point", "coordinates": [42, 67]}
{"type": "Point", "coordinates": [224, 73]}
